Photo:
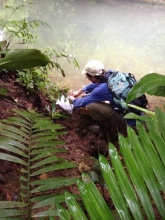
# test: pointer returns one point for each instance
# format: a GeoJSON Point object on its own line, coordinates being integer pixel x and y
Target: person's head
{"type": "Point", "coordinates": [94, 70]}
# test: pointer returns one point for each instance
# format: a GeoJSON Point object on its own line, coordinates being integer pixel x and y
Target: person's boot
{"type": "Point", "coordinates": [112, 129]}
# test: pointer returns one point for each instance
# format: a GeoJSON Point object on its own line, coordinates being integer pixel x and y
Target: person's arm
{"type": "Point", "coordinates": [97, 95]}
{"type": "Point", "coordinates": [87, 89]}
{"type": "Point", "coordinates": [77, 93]}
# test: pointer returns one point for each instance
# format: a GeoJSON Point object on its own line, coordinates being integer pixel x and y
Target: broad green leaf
{"type": "Point", "coordinates": [134, 116]}
{"type": "Point", "coordinates": [156, 136]}
{"type": "Point", "coordinates": [114, 189]}
{"type": "Point", "coordinates": [44, 127]}
{"type": "Point", "coordinates": [11, 213]}
{"type": "Point", "coordinates": [23, 59]}
{"type": "Point", "coordinates": [93, 201]}
{"type": "Point", "coordinates": [14, 136]}
{"type": "Point", "coordinates": [161, 119]}
{"type": "Point", "coordinates": [11, 158]}
{"type": "Point", "coordinates": [44, 197]}
{"type": "Point", "coordinates": [54, 167]}
{"type": "Point", "coordinates": [54, 180]}
{"type": "Point", "coordinates": [54, 183]}
{"type": "Point", "coordinates": [12, 143]}
{"type": "Point", "coordinates": [136, 176]}
{"type": "Point", "coordinates": [13, 119]}
{"type": "Point", "coordinates": [48, 133]}
{"type": "Point", "coordinates": [23, 127]}
{"type": "Point", "coordinates": [48, 150]}
{"type": "Point", "coordinates": [48, 144]}
{"type": "Point", "coordinates": [48, 160]}
{"type": "Point", "coordinates": [22, 178]}
{"type": "Point", "coordinates": [24, 114]}
{"type": "Point", "coordinates": [63, 213]}
{"type": "Point", "coordinates": [23, 170]}
{"type": "Point", "coordinates": [23, 195]}
{"type": "Point", "coordinates": [153, 158]}
{"type": "Point", "coordinates": [45, 138]}
{"type": "Point", "coordinates": [13, 129]}
{"type": "Point", "coordinates": [125, 183]}
{"type": "Point", "coordinates": [12, 149]}
{"type": "Point", "coordinates": [153, 84]}
{"type": "Point", "coordinates": [59, 198]}
{"type": "Point", "coordinates": [11, 204]}
{"type": "Point", "coordinates": [75, 209]}
{"type": "Point", "coordinates": [147, 173]}
{"type": "Point", "coordinates": [23, 187]}
{"type": "Point", "coordinates": [51, 201]}
{"type": "Point", "coordinates": [46, 154]}
{"type": "Point", "coordinates": [40, 156]}
{"type": "Point", "coordinates": [46, 214]}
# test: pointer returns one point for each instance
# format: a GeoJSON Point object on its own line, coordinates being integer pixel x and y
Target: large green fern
{"type": "Point", "coordinates": [32, 140]}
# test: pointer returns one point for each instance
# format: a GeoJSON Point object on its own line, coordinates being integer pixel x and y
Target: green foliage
{"type": "Point", "coordinates": [37, 79]}
{"type": "Point", "coordinates": [32, 140]}
{"type": "Point", "coordinates": [153, 84]}
{"type": "Point", "coordinates": [136, 185]}
{"type": "Point", "coordinates": [3, 91]}
{"type": "Point", "coordinates": [22, 29]}
{"type": "Point", "coordinates": [23, 59]}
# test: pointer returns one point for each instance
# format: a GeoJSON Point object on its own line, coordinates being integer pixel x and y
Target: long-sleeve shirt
{"type": "Point", "coordinates": [95, 93]}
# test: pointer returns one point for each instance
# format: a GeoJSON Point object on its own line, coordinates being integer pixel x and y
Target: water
{"type": "Point", "coordinates": [128, 36]}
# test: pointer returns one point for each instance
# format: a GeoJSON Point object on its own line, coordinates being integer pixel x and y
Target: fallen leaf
{"type": "Point", "coordinates": [83, 167]}
{"type": "Point", "coordinates": [8, 197]}
{"type": "Point", "coordinates": [43, 176]}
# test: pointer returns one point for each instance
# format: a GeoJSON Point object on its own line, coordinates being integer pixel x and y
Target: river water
{"type": "Point", "coordinates": [128, 36]}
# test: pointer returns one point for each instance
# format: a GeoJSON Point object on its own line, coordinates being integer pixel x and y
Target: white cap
{"type": "Point", "coordinates": [94, 68]}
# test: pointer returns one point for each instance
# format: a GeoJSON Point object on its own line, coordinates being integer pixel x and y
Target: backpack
{"type": "Point", "coordinates": [120, 85]}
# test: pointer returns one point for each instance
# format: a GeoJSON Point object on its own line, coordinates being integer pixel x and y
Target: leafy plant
{"type": "Point", "coordinates": [20, 29]}
{"type": "Point", "coordinates": [152, 84]}
{"type": "Point", "coordinates": [23, 59]}
{"type": "Point", "coordinates": [3, 91]}
{"type": "Point", "coordinates": [137, 182]}
{"type": "Point", "coordinates": [26, 61]}
{"type": "Point", "coordinates": [35, 79]}
{"type": "Point", "coordinates": [32, 140]}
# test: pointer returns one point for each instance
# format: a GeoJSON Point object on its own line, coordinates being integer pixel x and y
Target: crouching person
{"type": "Point", "coordinates": [99, 100]}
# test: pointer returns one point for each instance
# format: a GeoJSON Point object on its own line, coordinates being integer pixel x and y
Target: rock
{"type": "Point", "coordinates": [2, 178]}
{"type": "Point", "coordinates": [94, 129]}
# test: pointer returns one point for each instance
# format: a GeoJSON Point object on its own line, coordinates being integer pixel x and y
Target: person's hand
{"type": "Point", "coordinates": [77, 93]}
{"type": "Point", "coordinates": [71, 98]}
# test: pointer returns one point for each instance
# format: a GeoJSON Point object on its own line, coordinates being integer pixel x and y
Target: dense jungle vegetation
{"type": "Point", "coordinates": [134, 177]}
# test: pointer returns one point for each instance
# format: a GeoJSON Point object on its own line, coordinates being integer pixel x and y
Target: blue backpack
{"type": "Point", "coordinates": [120, 85]}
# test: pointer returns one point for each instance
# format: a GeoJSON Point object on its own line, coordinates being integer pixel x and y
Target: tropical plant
{"type": "Point", "coordinates": [37, 78]}
{"type": "Point", "coordinates": [23, 59]}
{"type": "Point", "coordinates": [136, 183]}
{"type": "Point", "coordinates": [152, 84]}
{"type": "Point", "coordinates": [22, 29]}
{"type": "Point", "coordinates": [32, 140]}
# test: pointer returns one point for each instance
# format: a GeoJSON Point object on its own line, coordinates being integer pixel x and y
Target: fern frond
{"type": "Point", "coordinates": [26, 139]}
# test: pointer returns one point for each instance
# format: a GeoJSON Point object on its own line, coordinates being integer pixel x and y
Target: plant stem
{"type": "Point", "coordinates": [29, 203]}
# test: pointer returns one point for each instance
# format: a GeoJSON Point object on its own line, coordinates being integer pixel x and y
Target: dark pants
{"type": "Point", "coordinates": [106, 116]}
